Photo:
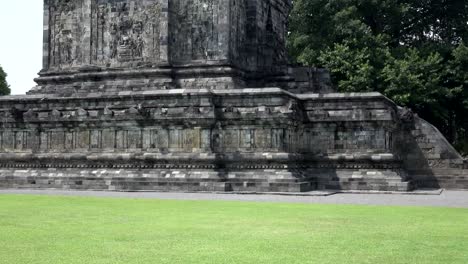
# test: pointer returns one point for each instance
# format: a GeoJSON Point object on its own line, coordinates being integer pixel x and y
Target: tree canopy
{"type": "Point", "coordinates": [413, 51]}
{"type": "Point", "coordinates": [4, 87]}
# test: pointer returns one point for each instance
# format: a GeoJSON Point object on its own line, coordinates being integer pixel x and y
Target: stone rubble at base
{"type": "Point", "coordinates": [198, 95]}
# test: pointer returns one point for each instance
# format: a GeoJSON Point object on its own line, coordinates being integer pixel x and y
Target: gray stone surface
{"type": "Point", "coordinates": [143, 45]}
{"type": "Point", "coordinates": [198, 95]}
{"type": "Point", "coordinates": [455, 199]}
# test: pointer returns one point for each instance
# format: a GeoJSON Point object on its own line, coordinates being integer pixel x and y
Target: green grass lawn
{"type": "Point", "coordinates": [41, 229]}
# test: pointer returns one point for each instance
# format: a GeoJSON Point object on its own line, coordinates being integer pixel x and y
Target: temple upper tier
{"type": "Point", "coordinates": [248, 34]}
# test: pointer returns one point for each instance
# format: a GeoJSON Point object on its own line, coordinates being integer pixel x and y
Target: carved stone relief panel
{"type": "Point", "coordinates": [258, 139]}
{"type": "Point", "coordinates": [127, 31]}
{"type": "Point", "coordinates": [65, 32]}
{"type": "Point", "coordinates": [175, 139]}
{"type": "Point", "coordinates": [205, 139]}
{"type": "Point", "coordinates": [121, 139]}
{"type": "Point", "coordinates": [277, 139]}
{"type": "Point", "coordinates": [56, 140]}
{"type": "Point", "coordinates": [8, 140]}
{"type": "Point", "coordinates": [70, 140]}
{"type": "Point", "coordinates": [197, 29]}
{"type": "Point", "coordinates": [83, 138]}
{"type": "Point", "coordinates": [321, 139]}
{"type": "Point", "coordinates": [195, 134]}
{"type": "Point", "coordinates": [95, 139]}
{"type": "Point", "coordinates": [262, 138]}
{"type": "Point", "coordinates": [337, 139]}
{"type": "Point", "coordinates": [21, 140]}
{"type": "Point", "coordinates": [134, 139]}
{"type": "Point", "coordinates": [44, 144]}
{"type": "Point", "coordinates": [162, 139]}
{"type": "Point", "coordinates": [33, 140]}
{"type": "Point", "coordinates": [191, 139]}
{"type": "Point", "coordinates": [155, 139]}
{"type": "Point", "coordinates": [238, 32]}
{"type": "Point", "coordinates": [246, 136]}
{"type": "Point", "coordinates": [147, 139]}
{"type": "Point", "coordinates": [108, 139]}
{"type": "Point", "coordinates": [231, 139]}
{"type": "Point", "coordinates": [290, 142]}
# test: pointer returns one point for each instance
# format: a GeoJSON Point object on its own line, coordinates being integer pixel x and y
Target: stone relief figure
{"type": "Point", "coordinates": [138, 47]}
{"type": "Point", "coordinates": [127, 31]}
{"type": "Point", "coordinates": [200, 49]}
{"type": "Point", "coordinates": [202, 30]}
{"type": "Point", "coordinates": [125, 36]}
{"type": "Point", "coordinates": [63, 25]}
{"type": "Point", "coordinates": [195, 29]}
{"type": "Point", "coordinates": [138, 42]}
{"type": "Point", "coordinates": [217, 137]}
{"type": "Point", "coordinates": [101, 25]}
{"type": "Point", "coordinates": [181, 28]}
{"type": "Point", "coordinates": [152, 16]}
{"type": "Point", "coordinates": [130, 42]}
{"type": "Point", "coordinates": [66, 47]}
{"type": "Point", "coordinates": [114, 41]}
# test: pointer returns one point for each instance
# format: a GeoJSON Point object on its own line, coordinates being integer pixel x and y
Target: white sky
{"type": "Point", "coordinates": [21, 42]}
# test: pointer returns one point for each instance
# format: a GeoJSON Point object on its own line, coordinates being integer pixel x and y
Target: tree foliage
{"type": "Point", "coordinates": [413, 51]}
{"type": "Point", "coordinates": [4, 87]}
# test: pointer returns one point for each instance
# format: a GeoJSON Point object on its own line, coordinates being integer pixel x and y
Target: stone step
{"type": "Point", "coordinates": [156, 184]}
{"type": "Point", "coordinates": [367, 186]}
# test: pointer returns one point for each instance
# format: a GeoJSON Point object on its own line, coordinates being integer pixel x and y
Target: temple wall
{"type": "Point", "coordinates": [266, 34]}
{"type": "Point", "coordinates": [128, 45]}
{"type": "Point", "coordinates": [238, 133]}
{"type": "Point", "coordinates": [129, 33]}
{"type": "Point", "coordinates": [221, 122]}
{"type": "Point", "coordinates": [199, 30]}
{"type": "Point", "coordinates": [333, 139]}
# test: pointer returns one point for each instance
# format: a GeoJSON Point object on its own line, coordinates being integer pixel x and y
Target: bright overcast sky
{"type": "Point", "coordinates": [21, 42]}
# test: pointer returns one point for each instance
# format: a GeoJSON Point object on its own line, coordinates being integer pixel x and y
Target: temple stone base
{"type": "Point", "coordinates": [370, 180]}
{"type": "Point", "coordinates": [266, 140]}
{"type": "Point", "coordinates": [177, 95]}
{"type": "Point", "coordinates": [185, 178]}
{"type": "Point", "coordinates": [195, 180]}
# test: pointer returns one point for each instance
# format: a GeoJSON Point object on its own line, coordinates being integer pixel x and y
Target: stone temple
{"type": "Point", "coordinates": [198, 95]}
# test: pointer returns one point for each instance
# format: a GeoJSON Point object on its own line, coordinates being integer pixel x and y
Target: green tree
{"type": "Point", "coordinates": [410, 50]}
{"type": "Point", "coordinates": [457, 77]}
{"type": "Point", "coordinates": [4, 87]}
{"type": "Point", "coordinates": [352, 68]}
{"type": "Point", "coordinates": [414, 80]}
